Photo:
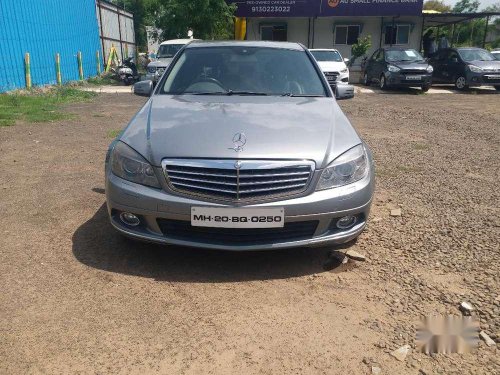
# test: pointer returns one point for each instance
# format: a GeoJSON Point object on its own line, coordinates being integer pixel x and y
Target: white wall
{"type": "Point", "coordinates": [323, 31]}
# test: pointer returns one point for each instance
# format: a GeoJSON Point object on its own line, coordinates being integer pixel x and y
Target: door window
{"type": "Point", "coordinates": [274, 32]}
{"type": "Point", "coordinates": [347, 34]}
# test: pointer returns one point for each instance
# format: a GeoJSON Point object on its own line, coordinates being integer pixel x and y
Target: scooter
{"type": "Point", "coordinates": [127, 72]}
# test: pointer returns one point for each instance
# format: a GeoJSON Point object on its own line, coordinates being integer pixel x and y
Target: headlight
{"type": "Point", "coordinates": [392, 68]}
{"type": "Point", "coordinates": [345, 70]}
{"type": "Point", "coordinates": [152, 69]}
{"type": "Point", "coordinates": [475, 69]}
{"type": "Point", "coordinates": [129, 165]}
{"type": "Point", "coordinates": [349, 167]}
{"type": "Point", "coordinates": [430, 69]}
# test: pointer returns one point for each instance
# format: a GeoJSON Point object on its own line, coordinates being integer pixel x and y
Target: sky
{"type": "Point", "coordinates": [484, 3]}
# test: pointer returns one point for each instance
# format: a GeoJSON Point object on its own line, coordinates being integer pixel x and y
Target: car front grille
{"type": "Point", "coordinates": [331, 76]}
{"type": "Point", "coordinates": [413, 71]}
{"type": "Point", "coordinates": [292, 231]}
{"type": "Point", "coordinates": [237, 180]}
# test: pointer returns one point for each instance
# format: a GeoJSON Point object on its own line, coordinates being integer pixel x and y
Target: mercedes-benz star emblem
{"type": "Point", "coordinates": [237, 165]}
{"type": "Point", "coordinates": [239, 140]}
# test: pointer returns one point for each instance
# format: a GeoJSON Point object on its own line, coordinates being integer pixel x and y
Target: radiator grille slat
{"type": "Point", "coordinates": [222, 180]}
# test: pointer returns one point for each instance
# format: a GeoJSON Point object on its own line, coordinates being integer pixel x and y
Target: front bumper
{"type": "Point", "coordinates": [483, 79]}
{"type": "Point", "coordinates": [152, 206]}
{"type": "Point", "coordinates": [335, 78]}
{"type": "Point", "coordinates": [402, 79]}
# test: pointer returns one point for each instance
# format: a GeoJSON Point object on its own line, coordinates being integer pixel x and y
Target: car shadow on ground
{"type": "Point", "coordinates": [97, 244]}
{"type": "Point", "coordinates": [438, 88]}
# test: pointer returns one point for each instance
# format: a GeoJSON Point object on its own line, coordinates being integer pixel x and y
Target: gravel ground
{"type": "Point", "coordinates": [78, 298]}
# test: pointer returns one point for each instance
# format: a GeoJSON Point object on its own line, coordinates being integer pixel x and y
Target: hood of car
{"type": "Point", "coordinates": [331, 66]}
{"type": "Point", "coordinates": [189, 126]}
{"type": "Point", "coordinates": [160, 63]}
{"type": "Point", "coordinates": [411, 65]}
{"type": "Point", "coordinates": [486, 65]}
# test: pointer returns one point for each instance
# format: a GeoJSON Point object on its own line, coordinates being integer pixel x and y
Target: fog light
{"type": "Point", "coordinates": [129, 219]}
{"type": "Point", "coordinates": [346, 222]}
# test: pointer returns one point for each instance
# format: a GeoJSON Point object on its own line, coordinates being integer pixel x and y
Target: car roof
{"type": "Point", "coordinates": [246, 43]}
{"type": "Point", "coordinates": [177, 41]}
{"type": "Point", "coordinates": [396, 48]}
{"type": "Point", "coordinates": [466, 48]}
{"type": "Point", "coordinates": [323, 49]}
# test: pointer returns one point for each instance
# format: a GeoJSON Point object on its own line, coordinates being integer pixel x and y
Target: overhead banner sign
{"type": "Point", "coordinates": [327, 8]}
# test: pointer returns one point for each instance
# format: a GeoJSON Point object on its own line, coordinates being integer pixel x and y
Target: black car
{"type": "Point", "coordinates": [397, 67]}
{"type": "Point", "coordinates": [465, 67]}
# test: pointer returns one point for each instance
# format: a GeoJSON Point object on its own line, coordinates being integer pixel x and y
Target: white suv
{"type": "Point", "coordinates": [332, 64]}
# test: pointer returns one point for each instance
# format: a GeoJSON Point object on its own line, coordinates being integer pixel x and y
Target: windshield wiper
{"type": "Point", "coordinates": [301, 95]}
{"type": "Point", "coordinates": [232, 92]}
{"type": "Point", "coordinates": [228, 92]}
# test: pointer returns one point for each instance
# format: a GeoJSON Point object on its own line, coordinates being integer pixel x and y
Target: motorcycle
{"type": "Point", "coordinates": [127, 72]}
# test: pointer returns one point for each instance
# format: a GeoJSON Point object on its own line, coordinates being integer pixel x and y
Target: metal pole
{"type": "Point", "coordinates": [120, 32]}
{"type": "Point", "coordinates": [102, 32]}
{"type": "Point", "coordinates": [452, 35]}
{"type": "Point", "coordinates": [312, 42]}
{"type": "Point", "coordinates": [98, 62]}
{"type": "Point", "coordinates": [422, 33]}
{"type": "Point", "coordinates": [486, 30]}
{"type": "Point", "coordinates": [392, 29]}
{"type": "Point", "coordinates": [27, 70]}
{"type": "Point", "coordinates": [309, 34]}
{"type": "Point", "coordinates": [381, 31]}
{"type": "Point", "coordinates": [80, 66]}
{"type": "Point", "coordinates": [58, 70]}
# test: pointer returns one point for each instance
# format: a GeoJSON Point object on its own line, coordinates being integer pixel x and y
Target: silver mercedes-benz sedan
{"type": "Point", "coordinates": [241, 146]}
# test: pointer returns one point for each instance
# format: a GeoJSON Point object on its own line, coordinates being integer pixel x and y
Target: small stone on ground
{"type": "Point", "coordinates": [401, 353]}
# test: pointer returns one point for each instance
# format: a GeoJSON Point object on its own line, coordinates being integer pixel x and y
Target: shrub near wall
{"type": "Point", "coordinates": [44, 28]}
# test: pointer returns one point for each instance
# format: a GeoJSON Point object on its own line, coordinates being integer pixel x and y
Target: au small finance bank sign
{"type": "Point", "coordinates": [327, 8]}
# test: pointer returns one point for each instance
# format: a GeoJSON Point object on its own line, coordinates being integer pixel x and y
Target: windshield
{"type": "Point", "coordinates": [240, 70]}
{"type": "Point", "coordinates": [169, 50]}
{"type": "Point", "coordinates": [403, 55]}
{"type": "Point", "coordinates": [475, 55]}
{"type": "Point", "coordinates": [496, 55]}
{"type": "Point", "coordinates": [327, 56]}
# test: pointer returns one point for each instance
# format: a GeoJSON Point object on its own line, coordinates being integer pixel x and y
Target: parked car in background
{"type": "Point", "coordinates": [466, 67]}
{"type": "Point", "coordinates": [164, 56]}
{"type": "Point", "coordinates": [496, 54]}
{"type": "Point", "coordinates": [241, 146]}
{"type": "Point", "coordinates": [398, 67]}
{"type": "Point", "coordinates": [332, 64]}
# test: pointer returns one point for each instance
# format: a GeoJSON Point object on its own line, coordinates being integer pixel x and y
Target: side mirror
{"type": "Point", "coordinates": [344, 92]}
{"type": "Point", "coordinates": [346, 60]}
{"type": "Point", "coordinates": [143, 88]}
{"type": "Point", "coordinates": [454, 60]}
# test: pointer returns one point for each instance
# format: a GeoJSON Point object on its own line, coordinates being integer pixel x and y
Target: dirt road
{"type": "Point", "coordinates": [77, 298]}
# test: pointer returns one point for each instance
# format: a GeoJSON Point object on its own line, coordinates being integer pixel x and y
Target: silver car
{"type": "Point", "coordinates": [241, 146]}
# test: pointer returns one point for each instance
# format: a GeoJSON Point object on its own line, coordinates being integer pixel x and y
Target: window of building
{"type": "Point", "coordinates": [347, 34]}
{"type": "Point", "coordinates": [273, 32]}
{"type": "Point", "coordinates": [397, 34]}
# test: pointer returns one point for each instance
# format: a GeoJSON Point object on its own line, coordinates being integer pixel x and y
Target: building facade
{"type": "Point", "coordinates": [334, 23]}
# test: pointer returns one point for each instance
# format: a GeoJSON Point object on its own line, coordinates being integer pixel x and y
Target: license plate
{"type": "Point", "coordinates": [414, 78]}
{"type": "Point", "coordinates": [237, 217]}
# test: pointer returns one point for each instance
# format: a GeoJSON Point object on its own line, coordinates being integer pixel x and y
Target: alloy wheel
{"type": "Point", "coordinates": [460, 83]}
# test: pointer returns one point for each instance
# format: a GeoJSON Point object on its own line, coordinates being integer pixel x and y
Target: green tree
{"type": "Point", "coordinates": [437, 5]}
{"type": "Point", "coordinates": [209, 19]}
{"type": "Point", "coordinates": [466, 6]}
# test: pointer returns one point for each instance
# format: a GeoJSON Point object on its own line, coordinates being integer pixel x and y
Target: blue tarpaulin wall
{"type": "Point", "coordinates": [44, 28]}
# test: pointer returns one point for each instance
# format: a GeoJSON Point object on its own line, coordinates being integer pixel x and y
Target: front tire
{"type": "Point", "coordinates": [383, 82]}
{"type": "Point", "coordinates": [461, 83]}
{"type": "Point", "coordinates": [426, 88]}
{"type": "Point", "coordinates": [366, 80]}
